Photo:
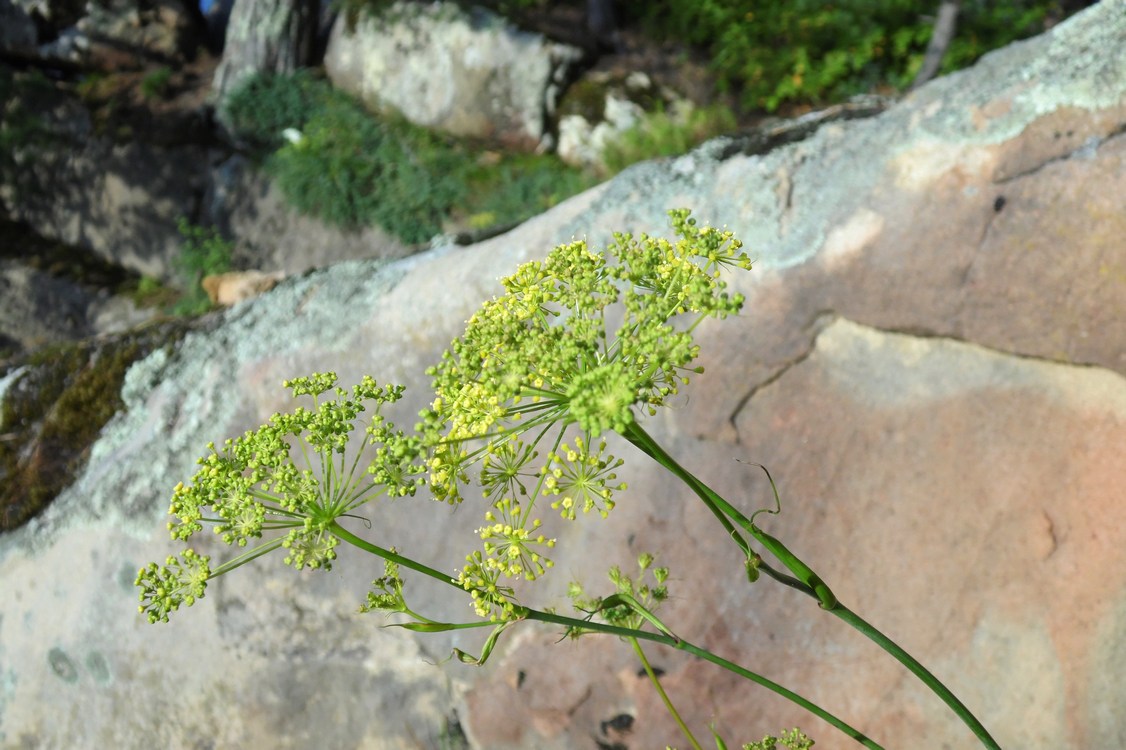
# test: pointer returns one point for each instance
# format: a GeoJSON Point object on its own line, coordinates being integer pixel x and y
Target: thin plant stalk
{"type": "Point", "coordinates": [577, 626]}
{"type": "Point", "coordinates": [810, 583]}
{"type": "Point", "coordinates": [664, 696]}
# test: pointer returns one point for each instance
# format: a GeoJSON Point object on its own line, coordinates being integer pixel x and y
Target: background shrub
{"type": "Point", "coordinates": [518, 187]}
{"type": "Point", "coordinates": [352, 168]}
{"type": "Point", "coordinates": [666, 134]}
{"type": "Point", "coordinates": [204, 253]}
{"type": "Point", "coordinates": [812, 51]}
{"type": "Point", "coordinates": [265, 105]}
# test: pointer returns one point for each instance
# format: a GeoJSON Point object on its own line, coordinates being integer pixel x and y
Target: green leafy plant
{"type": "Point", "coordinates": [155, 85]}
{"type": "Point", "coordinates": [522, 404]}
{"type": "Point", "coordinates": [352, 170]}
{"type": "Point", "coordinates": [204, 253]}
{"type": "Point", "coordinates": [808, 51]}
{"type": "Point", "coordinates": [265, 105]}
{"type": "Point", "coordinates": [335, 160]}
{"type": "Point", "coordinates": [518, 187]}
{"type": "Point", "coordinates": [666, 134]}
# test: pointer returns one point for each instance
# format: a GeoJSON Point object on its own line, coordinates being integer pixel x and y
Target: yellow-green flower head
{"type": "Point", "coordinates": [542, 357]}
{"type": "Point", "coordinates": [542, 353]}
{"type": "Point", "coordinates": [288, 479]}
{"type": "Point", "coordinates": [179, 581]}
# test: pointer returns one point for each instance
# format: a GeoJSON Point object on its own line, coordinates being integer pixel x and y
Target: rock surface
{"type": "Point", "coordinates": [464, 72]}
{"type": "Point", "coordinates": [135, 193]}
{"type": "Point", "coordinates": [930, 362]}
{"type": "Point", "coordinates": [264, 36]}
{"type": "Point", "coordinates": [271, 236]}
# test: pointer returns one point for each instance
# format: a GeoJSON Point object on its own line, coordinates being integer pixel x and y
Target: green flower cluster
{"type": "Point", "coordinates": [633, 600]}
{"type": "Point", "coordinates": [533, 366]}
{"type": "Point", "coordinates": [542, 358]}
{"type": "Point", "coordinates": [793, 739]}
{"type": "Point", "coordinates": [253, 487]}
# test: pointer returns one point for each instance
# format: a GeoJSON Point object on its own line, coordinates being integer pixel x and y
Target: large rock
{"type": "Point", "coordinates": [465, 72]}
{"type": "Point", "coordinates": [264, 36]}
{"type": "Point", "coordinates": [930, 363]}
{"type": "Point", "coordinates": [269, 235]}
{"type": "Point", "coordinates": [110, 35]}
{"type": "Point", "coordinates": [119, 200]}
{"type": "Point", "coordinates": [17, 29]}
{"type": "Point", "coordinates": [122, 202]}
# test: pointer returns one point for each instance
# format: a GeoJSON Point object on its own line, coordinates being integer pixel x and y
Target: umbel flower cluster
{"type": "Point", "coordinates": [521, 404]}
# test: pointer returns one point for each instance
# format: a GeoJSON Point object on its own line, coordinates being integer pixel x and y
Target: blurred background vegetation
{"type": "Point", "coordinates": [811, 51]}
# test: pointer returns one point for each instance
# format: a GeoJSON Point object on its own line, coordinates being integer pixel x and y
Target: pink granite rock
{"type": "Point", "coordinates": [931, 363]}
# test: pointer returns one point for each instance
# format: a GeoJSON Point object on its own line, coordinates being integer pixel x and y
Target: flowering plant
{"type": "Point", "coordinates": [522, 402]}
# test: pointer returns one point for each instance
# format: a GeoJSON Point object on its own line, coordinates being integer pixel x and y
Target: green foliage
{"type": "Point", "coordinates": [155, 84]}
{"type": "Point", "coordinates": [519, 187]}
{"type": "Point", "coordinates": [791, 740]}
{"type": "Point", "coordinates": [204, 253]}
{"type": "Point", "coordinates": [351, 169]}
{"type": "Point", "coordinates": [664, 134]}
{"type": "Point", "coordinates": [812, 51]}
{"type": "Point", "coordinates": [265, 105]}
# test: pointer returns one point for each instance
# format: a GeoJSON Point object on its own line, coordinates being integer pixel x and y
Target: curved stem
{"type": "Point", "coordinates": [943, 692]}
{"type": "Point", "coordinates": [686, 646]}
{"type": "Point", "coordinates": [810, 583]}
{"type": "Point", "coordinates": [664, 696]}
{"type": "Point", "coordinates": [575, 625]}
{"type": "Point", "coordinates": [387, 554]}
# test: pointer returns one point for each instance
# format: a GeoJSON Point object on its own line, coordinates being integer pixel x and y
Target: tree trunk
{"type": "Point", "coordinates": [264, 36]}
{"type": "Point", "coordinates": [944, 27]}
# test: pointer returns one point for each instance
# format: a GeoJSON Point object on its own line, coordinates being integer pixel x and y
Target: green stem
{"type": "Point", "coordinates": [577, 625]}
{"type": "Point", "coordinates": [943, 692]}
{"type": "Point", "coordinates": [809, 582]}
{"type": "Point", "coordinates": [387, 554]}
{"type": "Point", "coordinates": [664, 696]}
{"type": "Point", "coordinates": [686, 646]}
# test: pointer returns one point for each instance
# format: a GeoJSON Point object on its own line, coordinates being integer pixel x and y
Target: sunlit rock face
{"type": "Point", "coordinates": [464, 72]}
{"type": "Point", "coordinates": [930, 362]}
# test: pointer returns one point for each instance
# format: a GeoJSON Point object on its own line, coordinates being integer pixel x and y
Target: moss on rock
{"type": "Point", "coordinates": [54, 408]}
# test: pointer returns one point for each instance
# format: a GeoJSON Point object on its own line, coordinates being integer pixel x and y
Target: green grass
{"type": "Point", "coordinates": [663, 134]}
{"type": "Point", "coordinates": [203, 253]}
{"type": "Point", "coordinates": [155, 85]}
{"type": "Point", "coordinates": [352, 168]}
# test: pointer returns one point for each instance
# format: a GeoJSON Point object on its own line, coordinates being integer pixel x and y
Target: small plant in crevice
{"type": "Point", "coordinates": [156, 84]}
{"type": "Point", "coordinates": [579, 345]}
{"type": "Point", "coordinates": [662, 133]}
{"type": "Point", "coordinates": [204, 253]}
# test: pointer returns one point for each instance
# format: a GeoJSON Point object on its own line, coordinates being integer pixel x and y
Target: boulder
{"type": "Point", "coordinates": [124, 33]}
{"type": "Point", "coordinates": [271, 236]}
{"type": "Point", "coordinates": [119, 200]}
{"type": "Point", "coordinates": [598, 108]}
{"type": "Point", "coordinates": [122, 202]}
{"type": "Point", "coordinates": [930, 363]}
{"type": "Point", "coordinates": [37, 308]}
{"type": "Point", "coordinates": [466, 72]}
{"type": "Point", "coordinates": [17, 29]}
{"type": "Point", "coordinates": [230, 288]}
{"type": "Point", "coordinates": [263, 36]}
{"type": "Point", "coordinates": [110, 36]}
